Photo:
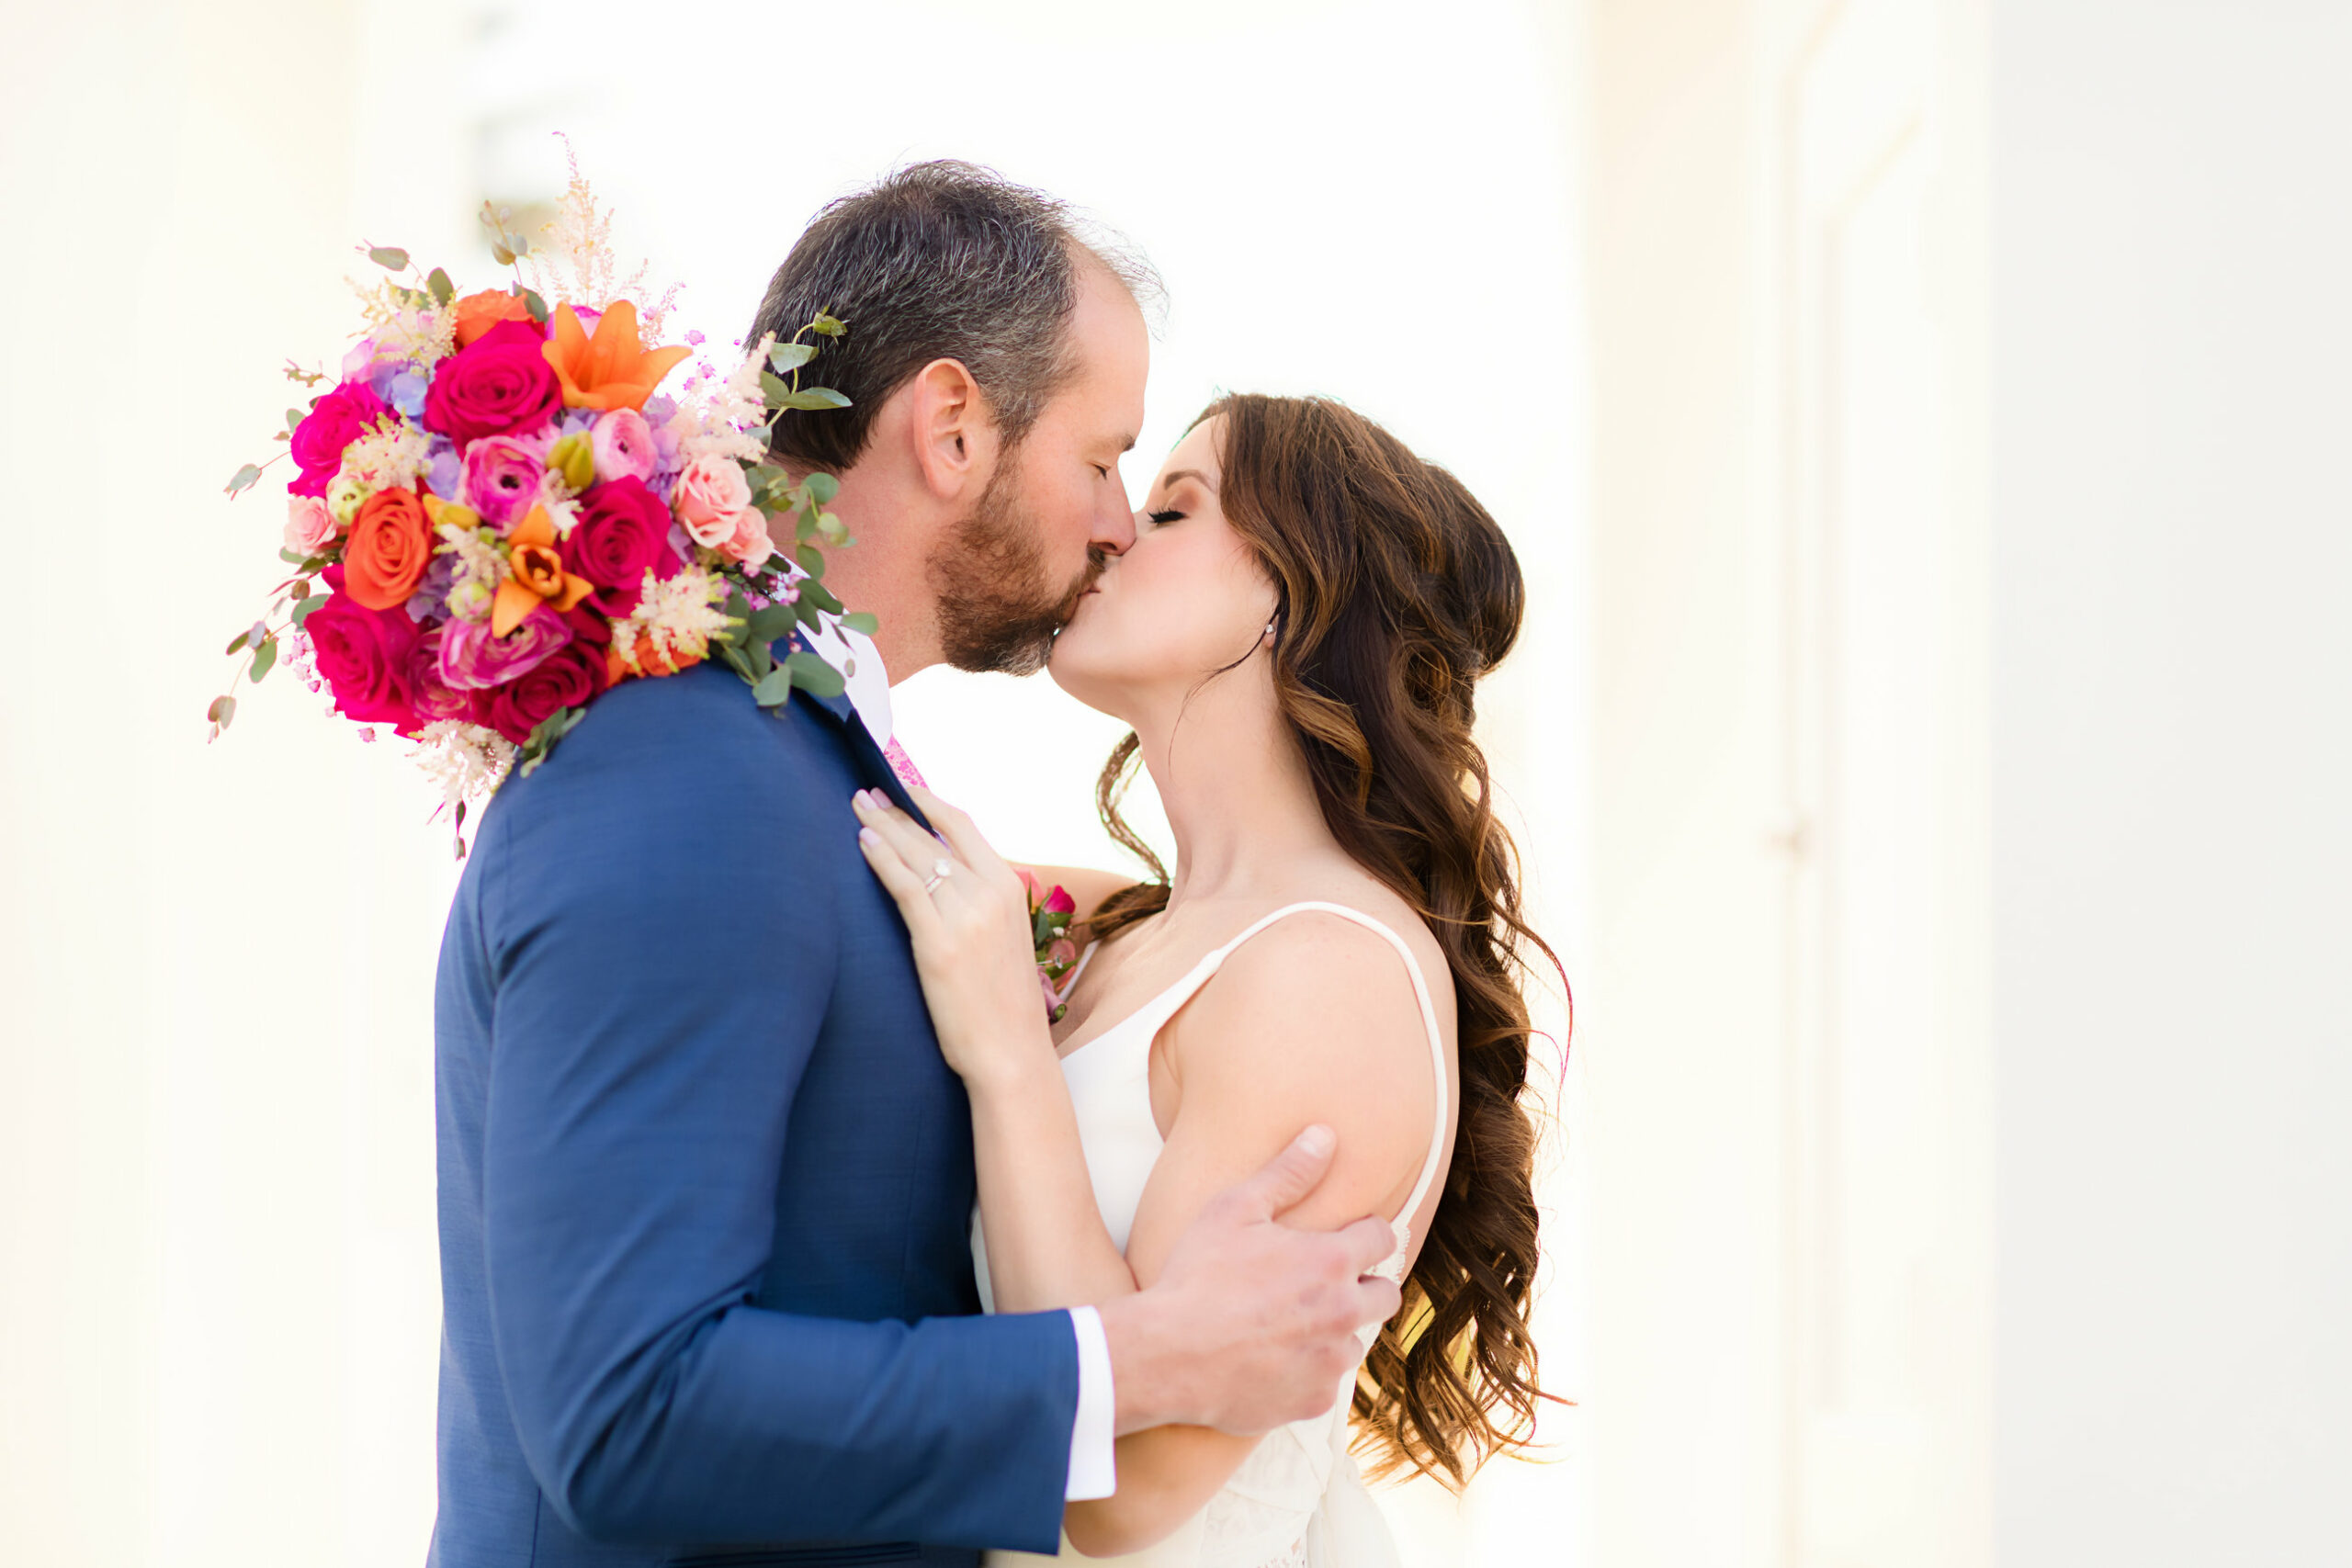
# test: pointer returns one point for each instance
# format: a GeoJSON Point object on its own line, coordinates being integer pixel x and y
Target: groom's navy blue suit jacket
{"type": "Point", "coordinates": [705, 1181]}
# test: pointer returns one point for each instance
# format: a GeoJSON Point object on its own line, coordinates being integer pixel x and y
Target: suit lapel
{"type": "Point", "coordinates": [862, 744]}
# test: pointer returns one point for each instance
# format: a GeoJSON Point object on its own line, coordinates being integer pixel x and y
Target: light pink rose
{"type": "Point", "coordinates": [711, 491]}
{"type": "Point", "coordinates": [309, 526]}
{"type": "Point", "coordinates": [622, 444]}
{"type": "Point", "coordinates": [747, 538]}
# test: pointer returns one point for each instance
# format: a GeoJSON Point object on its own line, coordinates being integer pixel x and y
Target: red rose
{"type": "Point", "coordinates": [623, 529]}
{"type": "Point", "coordinates": [333, 423]}
{"type": "Point", "coordinates": [569, 676]}
{"type": "Point", "coordinates": [502, 384]}
{"type": "Point", "coordinates": [363, 655]}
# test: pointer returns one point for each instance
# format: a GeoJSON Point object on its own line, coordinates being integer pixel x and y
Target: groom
{"type": "Point", "coordinates": [705, 1184]}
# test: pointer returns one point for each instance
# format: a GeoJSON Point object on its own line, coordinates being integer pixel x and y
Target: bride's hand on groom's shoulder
{"type": "Point", "coordinates": [967, 920]}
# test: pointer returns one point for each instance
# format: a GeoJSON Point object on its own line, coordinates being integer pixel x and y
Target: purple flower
{"type": "Point", "coordinates": [446, 475]}
{"type": "Point", "coordinates": [502, 478]}
{"type": "Point", "coordinates": [431, 599]}
{"type": "Point", "coordinates": [406, 392]}
{"type": "Point", "coordinates": [474, 659]}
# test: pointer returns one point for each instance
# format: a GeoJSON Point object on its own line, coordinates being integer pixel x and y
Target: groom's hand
{"type": "Point", "coordinates": [1251, 1325]}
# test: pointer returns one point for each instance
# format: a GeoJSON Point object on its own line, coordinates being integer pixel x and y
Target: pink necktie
{"type": "Point", "coordinates": [902, 764]}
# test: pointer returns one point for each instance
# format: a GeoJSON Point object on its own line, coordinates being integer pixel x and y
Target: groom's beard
{"type": "Point", "coordinates": [997, 609]}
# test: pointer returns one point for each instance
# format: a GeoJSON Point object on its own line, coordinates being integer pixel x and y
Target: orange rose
{"type": "Point", "coordinates": [612, 369]}
{"type": "Point", "coordinates": [388, 551]}
{"type": "Point", "coordinates": [476, 313]}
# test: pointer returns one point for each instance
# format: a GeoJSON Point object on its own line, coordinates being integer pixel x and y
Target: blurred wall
{"type": "Point", "coordinates": [2172, 788]}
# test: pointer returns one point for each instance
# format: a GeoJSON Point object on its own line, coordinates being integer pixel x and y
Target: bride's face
{"type": "Point", "coordinates": [1188, 599]}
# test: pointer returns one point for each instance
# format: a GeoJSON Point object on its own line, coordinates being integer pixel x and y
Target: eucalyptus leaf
{"type": "Point", "coordinates": [811, 674]}
{"type": "Point", "coordinates": [786, 356]}
{"type": "Point", "coordinates": [222, 710]}
{"type": "Point", "coordinates": [823, 488]}
{"type": "Point", "coordinates": [828, 326]}
{"type": "Point", "coordinates": [293, 418]}
{"type": "Point", "coordinates": [766, 626]}
{"type": "Point", "coordinates": [302, 611]}
{"type": "Point", "coordinates": [237, 643]}
{"type": "Point", "coordinates": [807, 398]}
{"type": "Point", "coordinates": [243, 479]}
{"type": "Point", "coordinates": [536, 306]}
{"type": "Point", "coordinates": [775, 689]}
{"type": "Point", "coordinates": [862, 621]}
{"type": "Point", "coordinates": [390, 257]}
{"type": "Point", "coordinates": [437, 284]}
{"type": "Point", "coordinates": [773, 388]}
{"type": "Point", "coordinates": [812, 562]}
{"type": "Point", "coordinates": [814, 592]}
{"type": "Point", "coordinates": [265, 657]}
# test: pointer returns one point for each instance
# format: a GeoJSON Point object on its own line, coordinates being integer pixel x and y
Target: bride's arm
{"type": "Point", "coordinates": [1313, 1020]}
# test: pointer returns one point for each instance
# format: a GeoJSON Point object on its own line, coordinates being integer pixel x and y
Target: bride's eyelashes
{"type": "Point", "coordinates": [1158, 518]}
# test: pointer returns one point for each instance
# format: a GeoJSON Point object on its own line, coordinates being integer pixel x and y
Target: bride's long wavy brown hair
{"type": "Point", "coordinates": [1398, 590]}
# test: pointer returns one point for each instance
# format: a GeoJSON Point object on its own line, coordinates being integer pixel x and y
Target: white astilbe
{"type": "Point", "coordinates": [392, 454]}
{"type": "Point", "coordinates": [672, 621]}
{"type": "Point", "coordinates": [724, 419]}
{"type": "Point", "coordinates": [419, 334]}
{"type": "Point", "coordinates": [574, 263]}
{"type": "Point", "coordinates": [465, 760]}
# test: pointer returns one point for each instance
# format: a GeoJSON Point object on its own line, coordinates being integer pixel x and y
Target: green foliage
{"type": "Point", "coordinates": [823, 488]}
{"type": "Point", "coordinates": [542, 740]}
{"type": "Point", "coordinates": [391, 258]}
{"type": "Point", "coordinates": [222, 710]}
{"type": "Point", "coordinates": [437, 284]}
{"type": "Point", "coordinates": [862, 621]}
{"type": "Point", "coordinates": [302, 611]}
{"type": "Point", "coordinates": [828, 326]}
{"type": "Point", "coordinates": [812, 674]}
{"type": "Point", "coordinates": [775, 689]}
{"type": "Point", "coordinates": [243, 479]}
{"type": "Point", "coordinates": [807, 398]}
{"type": "Point", "coordinates": [536, 306]}
{"type": "Point", "coordinates": [264, 659]}
{"type": "Point", "coordinates": [785, 356]}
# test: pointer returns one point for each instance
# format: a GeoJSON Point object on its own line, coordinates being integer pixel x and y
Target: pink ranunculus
{"type": "Point", "coordinates": [499, 385]}
{"type": "Point", "coordinates": [747, 540]}
{"type": "Point", "coordinates": [309, 526]}
{"type": "Point", "coordinates": [710, 492]}
{"type": "Point", "coordinates": [429, 690]}
{"type": "Point", "coordinates": [333, 423]}
{"type": "Point", "coordinates": [474, 659]}
{"type": "Point", "coordinates": [623, 445]}
{"type": "Point", "coordinates": [574, 674]}
{"type": "Point", "coordinates": [363, 655]}
{"type": "Point", "coordinates": [623, 529]}
{"type": "Point", "coordinates": [502, 478]}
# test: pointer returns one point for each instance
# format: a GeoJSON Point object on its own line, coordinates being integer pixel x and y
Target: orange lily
{"type": "Point", "coordinates": [611, 369]}
{"type": "Point", "coordinates": [539, 575]}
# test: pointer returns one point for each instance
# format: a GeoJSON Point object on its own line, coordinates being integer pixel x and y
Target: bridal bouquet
{"type": "Point", "coordinates": [495, 517]}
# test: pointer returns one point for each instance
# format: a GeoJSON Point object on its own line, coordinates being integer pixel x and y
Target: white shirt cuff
{"type": "Point", "coordinates": [1093, 1433]}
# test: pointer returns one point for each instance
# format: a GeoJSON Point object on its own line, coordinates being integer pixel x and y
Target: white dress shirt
{"type": "Point", "coordinates": [1094, 1431]}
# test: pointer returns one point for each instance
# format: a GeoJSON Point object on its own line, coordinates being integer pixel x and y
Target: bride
{"type": "Point", "coordinates": [1295, 636]}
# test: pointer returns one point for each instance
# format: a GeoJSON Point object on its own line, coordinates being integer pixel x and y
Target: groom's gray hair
{"type": "Point", "coordinates": [942, 260]}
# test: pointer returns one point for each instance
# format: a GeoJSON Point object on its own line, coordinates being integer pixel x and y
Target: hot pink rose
{"type": "Point", "coordinates": [333, 423]}
{"type": "Point", "coordinates": [309, 526]}
{"type": "Point", "coordinates": [502, 478]}
{"type": "Point", "coordinates": [499, 385]}
{"type": "Point", "coordinates": [710, 492]}
{"type": "Point", "coordinates": [363, 655]}
{"type": "Point", "coordinates": [747, 539]}
{"type": "Point", "coordinates": [622, 444]}
{"type": "Point", "coordinates": [574, 674]}
{"type": "Point", "coordinates": [623, 529]}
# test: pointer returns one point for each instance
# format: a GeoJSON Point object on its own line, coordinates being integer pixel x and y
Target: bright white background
{"type": "Point", "coordinates": [218, 1315]}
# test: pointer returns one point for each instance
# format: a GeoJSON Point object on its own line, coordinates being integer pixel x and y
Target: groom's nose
{"type": "Point", "coordinates": [1114, 532]}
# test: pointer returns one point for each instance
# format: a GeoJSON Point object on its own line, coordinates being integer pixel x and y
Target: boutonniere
{"type": "Point", "coordinates": [1049, 916]}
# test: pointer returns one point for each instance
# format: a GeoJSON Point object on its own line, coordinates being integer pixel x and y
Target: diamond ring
{"type": "Point", "coordinates": [940, 871]}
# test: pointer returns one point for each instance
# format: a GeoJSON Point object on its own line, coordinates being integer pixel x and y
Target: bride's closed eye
{"type": "Point", "coordinates": [1157, 518]}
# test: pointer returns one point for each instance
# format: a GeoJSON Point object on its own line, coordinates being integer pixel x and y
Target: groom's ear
{"type": "Point", "coordinates": [955, 433]}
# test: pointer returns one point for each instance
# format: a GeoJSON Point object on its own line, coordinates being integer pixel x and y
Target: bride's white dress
{"type": "Point", "coordinates": [1297, 1501]}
